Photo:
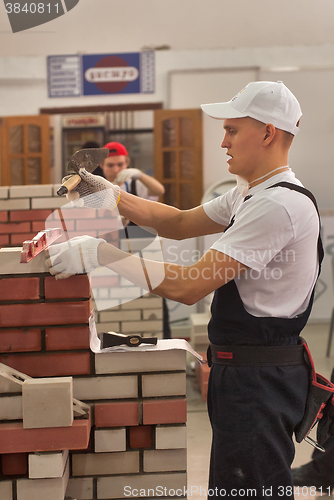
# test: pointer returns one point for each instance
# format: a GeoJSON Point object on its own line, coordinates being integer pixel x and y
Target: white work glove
{"type": "Point", "coordinates": [128, 173]}
{"type": "Point", "coordinates": [94, 191]}
{"type": "Point", "coordinates": [76, 256]}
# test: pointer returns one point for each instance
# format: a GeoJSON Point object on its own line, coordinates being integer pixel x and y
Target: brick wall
{"type": "Point", "coordinates": [134, 444]}
{"type": "Point", "coordinates": [26, 210]}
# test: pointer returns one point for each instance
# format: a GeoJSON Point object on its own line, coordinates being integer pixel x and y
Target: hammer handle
{"type": "Point", "coordinates": [68, 185]}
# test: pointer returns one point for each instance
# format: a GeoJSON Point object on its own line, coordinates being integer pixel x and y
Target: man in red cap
{"type": "Point", "coordinates": [115, 169]}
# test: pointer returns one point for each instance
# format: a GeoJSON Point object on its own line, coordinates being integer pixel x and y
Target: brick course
{"type": "Point", "coordinates": [44, 333]}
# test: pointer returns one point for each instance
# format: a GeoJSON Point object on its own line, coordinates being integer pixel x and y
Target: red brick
{"type": "Point", "coordinates": [116, 414]}
{"type": "Point", "coordinates": [19, 289]}
{"type": "Point", "coordinates": [141, 436]}
{"type": "Point", "coordinates": [104, 281]}
{"type": "Point", "coordinates": [4, 240]}
{"type": "Point", "coordinates": [67, 225]}
{"type": "Point", "coordinates": [14, 464]}
{"type": "Point", "coordinates": [38, 226]}
{"type": "Point", "coordinates": [49, 365]}
{"type": "Point", "coordinates": [74, 234]}
{"type": "Point", "coordinates": [106, 224]}
{"type": "Point", "coordinates": [15, 227]}
{"type": "Point", "coordinates": [15, 439]}
{"type": "Point", "coordinates": [74, 214]}
{"type": "Point", "coordinates": [171, 411]}
{"type": "Point", "coordinates": [18, 239]}
{"type": "Point", "coordinates": [64, 338]}
{"type": "Point", "coordinates": [202, 372]}
{"type": "Point", "coordinates": [103, 213]}
{"type": "Point", "coordinates": [4, 216]}
{"type": "Point", "coordinates": [57, 313]}
{"type": "Point", "coordinates": [20, 340]}
{"type": "Point", "coordinates": [29, 215]}
{"type": "Point", "coordinates": [74, 287]}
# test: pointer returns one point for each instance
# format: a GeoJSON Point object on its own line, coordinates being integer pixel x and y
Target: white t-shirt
{"type": "Point", "coordinates": [275, 234]}
{"type": "Point", "coordinates": [141, 190]}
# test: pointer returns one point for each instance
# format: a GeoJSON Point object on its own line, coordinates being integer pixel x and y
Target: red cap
{"type": "Point", "coordinates": [116, 149]}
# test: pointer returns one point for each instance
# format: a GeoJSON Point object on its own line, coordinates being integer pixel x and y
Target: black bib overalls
{"type": "Point", "coordinates": [253, 410]}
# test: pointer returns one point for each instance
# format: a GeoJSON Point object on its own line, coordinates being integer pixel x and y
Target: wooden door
{"type": "Point", "coordinates": [24, 150]}
{"type": "Point", "coordinates": [178, 156]}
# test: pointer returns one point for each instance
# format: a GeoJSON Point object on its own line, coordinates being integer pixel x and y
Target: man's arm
{"type": "Point", "coordinates": [154, 187]}
{"type": "Point", "coordinates": [179, 283]}
{"type": "Point", "coordinates": [167, 221]}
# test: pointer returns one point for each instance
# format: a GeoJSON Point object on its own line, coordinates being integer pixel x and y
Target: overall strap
{"type": "Point", "coordinates": [133, 187]}
{"type": "Point", "coordinates": [306, 192]}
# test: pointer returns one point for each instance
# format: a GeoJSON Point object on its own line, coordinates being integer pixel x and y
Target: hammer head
{"type": "Point", "coordinates": [89, 159]}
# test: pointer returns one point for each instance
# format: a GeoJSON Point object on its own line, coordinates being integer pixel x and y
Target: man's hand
{"type": "Point", "coordinates": [128, 173]}
{"type": "Point", "coordinates": [94, 192]}
{"type": "Point", "coordinates": [76, 256]}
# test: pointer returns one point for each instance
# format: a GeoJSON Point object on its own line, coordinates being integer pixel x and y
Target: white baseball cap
{"type": "Point", "coordinates": [267, 102]}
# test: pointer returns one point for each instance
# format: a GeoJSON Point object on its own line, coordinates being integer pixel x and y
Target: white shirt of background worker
{"type": "Point", "coordinates": [115, 169]}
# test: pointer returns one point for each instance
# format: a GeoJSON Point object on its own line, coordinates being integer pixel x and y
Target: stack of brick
{"type": "Point", "coordinates": [137, 444]}
{"type": "Point", "coordinates": [26, 210]}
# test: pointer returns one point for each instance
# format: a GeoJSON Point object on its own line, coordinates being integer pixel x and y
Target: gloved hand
{"type": "Point", "coordinates": [94, 191]}
{"type": "Point", "coordinates": [127, 174]}
{"type": "Point", "coordinates": [76, 256]}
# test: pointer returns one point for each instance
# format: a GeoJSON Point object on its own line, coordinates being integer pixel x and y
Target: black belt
{"type": "Point", "coordinates": [232, 355]}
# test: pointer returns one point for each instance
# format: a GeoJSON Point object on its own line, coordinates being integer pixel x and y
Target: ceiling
{"type": "Point", "coordinates": [98, 26]}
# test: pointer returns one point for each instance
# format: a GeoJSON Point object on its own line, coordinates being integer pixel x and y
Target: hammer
{"type": "Point", "coordinates": [88, 159]}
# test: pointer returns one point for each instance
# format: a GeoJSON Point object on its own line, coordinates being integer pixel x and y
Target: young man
{"type": "Point", "coordinates": [115, 169]}
{"type": "Point", "coordinates": [263, 268]}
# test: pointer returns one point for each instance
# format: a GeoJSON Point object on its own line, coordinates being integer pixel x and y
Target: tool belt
{"type": "Point", "coordinates": [319, 407]}
{"type": "Point", "coordinates": [241, 355]}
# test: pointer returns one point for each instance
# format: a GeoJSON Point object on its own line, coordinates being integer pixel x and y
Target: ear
{"type": "Point", "coordinates": [270, 132]}
{"type": "Point", "coordinates": [127, 159]}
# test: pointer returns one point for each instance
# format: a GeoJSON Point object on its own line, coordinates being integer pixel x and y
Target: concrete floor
{"type": "Point", "coordinates": [199, 432]}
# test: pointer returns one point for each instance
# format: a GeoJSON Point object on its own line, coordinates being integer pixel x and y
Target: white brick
{"type": "Point", "coordinates": [199, 322]}
{"type": "Point", "coordinates": [107, 316]}
{"type": "Point", "coordinates": [4, 193]}
{"type": "Point", "coordinates": [30, 191]}
{"type": "Point", "coordinates": [167, 384]}
{"type": "Point", "coordinates": [101, 293]}
{"type": "Point", "coordinates": [140, 361]}
{"type": "Point", "coordinates": [97, 464]}
{"type": "Point", "coordinates": [7, 385]}
{"type": "Point", "coordinates": [165, 460]}
{"type": "Point", "coordinates": [18, 204]}
{"type": "Point", "coordinates": [142, 326]}
{"type": "Point", "coordinates": [123, 487]}
{"type": "Point", "coordinates": [42, 489]}
{"type": "Point", "coordinates": [105, 387]}
{"type": "Point", "coordinates": [47, 465]}
{"type": "Point", "coordinates": [47, 402]}
{"type": "Point", "coordinates": [6, 490]}
{"type": "Point", "coordinates": [170, 437]}
{"type": "Point", "coordinates": [55, 188]}
{"type": "Point", "coordinates": [10, 262]}
{"type": "Point", "coordinates": [143, 303]}
{"type": "Point", "coordinates": [80, 488]}
{"type": "Point", "coordinates": [11, 407]}
{"type": "Point", "coordinates": [125, 282]}
{"type": "Point", "coordinates": [106, 303]}
{"type": "Point", "coordinates": [108, 327]}
{"type": "Point", "coordinates": [108, 440]}
{"type": "Point", "coordinates": [128, 292]}
{"type": "Point", "coordinates": [152, 314]}
{"type": "Point", "coordinates": [52, 203]}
